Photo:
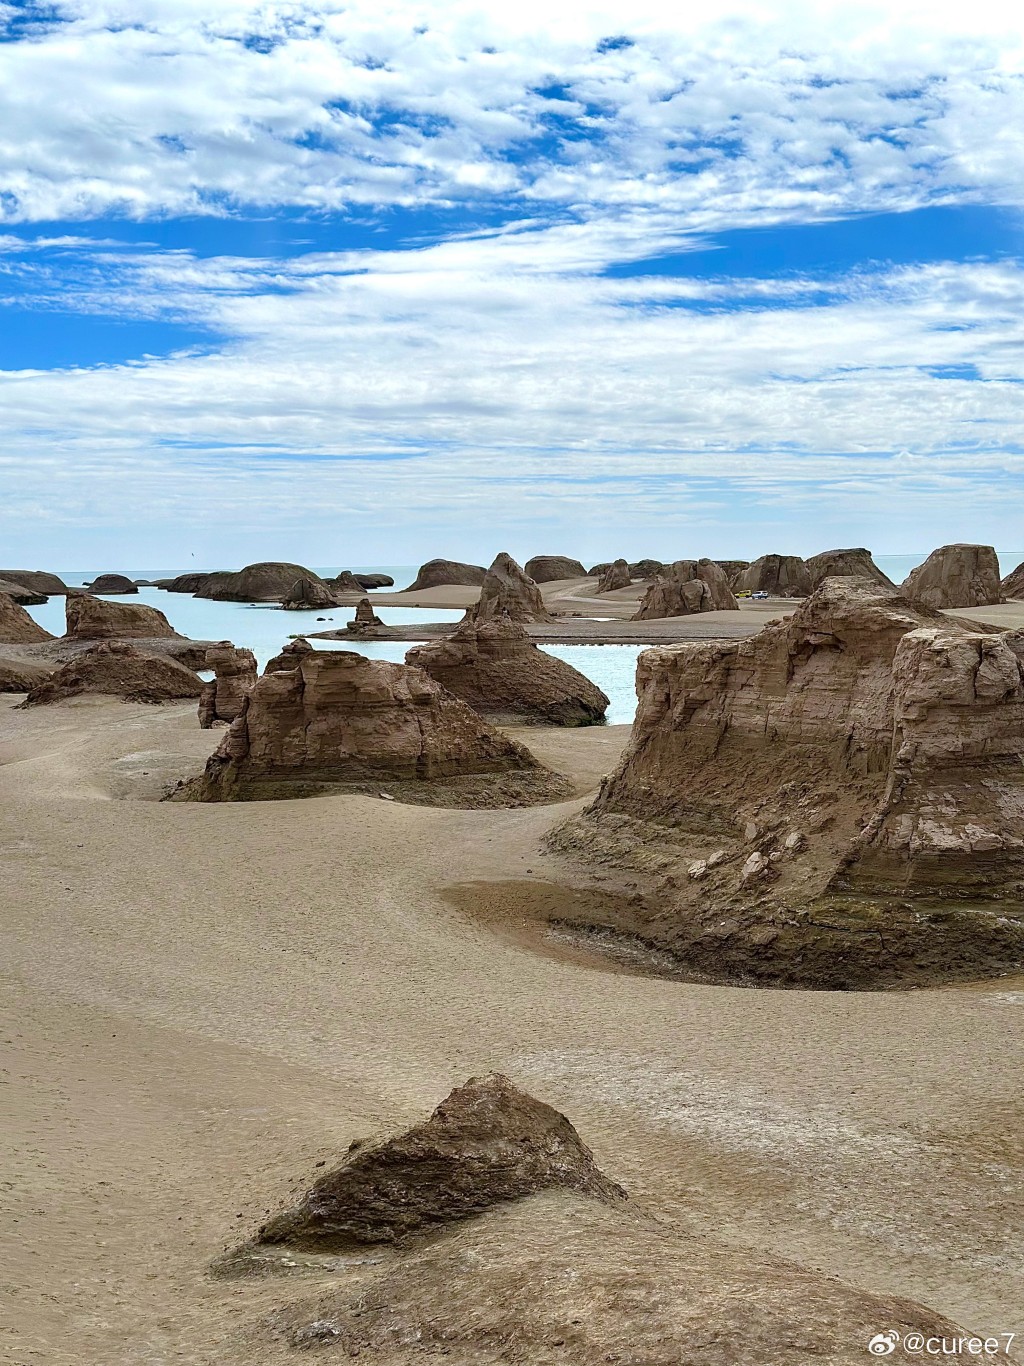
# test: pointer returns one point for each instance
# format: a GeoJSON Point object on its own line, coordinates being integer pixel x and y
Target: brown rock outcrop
{"type": "Point", "coordinates": [374, 580]}
{"type": "Point", "coordinates": [690, 586]}
{"type": "Point", "coordinates": [267, 581]}
{"type": "Point", "coordinates": [822, 795]}
{"type": "Point", "coordinates": [1013, 585]}
{"type": "Point", "coordinates": [90, 618]}
{"type": "Point", "coordinates": [36, 580]}
{"type": "Point", "coordinates": [235, 675]}
{"type": "Point", "coordinates": [551, 568]}
{"type": "Point", "coordinates": [307, 595]}
{"type": "Point", "coordinates": [956, 576]}
{"type": "Point", "coordinates": [183, 583]}
{"type": "Point", "coordinates": [365, 622]}
{"type": "Point", "coordinates": [337, 719]}
{"type": "Point", "coordinates": [495, 668]}
{"type": "Point", "coordinates": [486, 1144]}
{"type": "Point", "coordinates": [647, 569]}
{"type": "Point", "coordinates": [17, 592]}
{"type": "Point", "coordinates": [597, 570]}
{"type": "Point", "coordinates": [345, 584]}
{"type": "Point", "coordinates": [780, 576]}
{"type": "Point", "coordinates": [118, 669]}
{"type": "Point", "coordinates": [733, 570]}
{"type": "Point", "coordinates": [443, 573]}
{"type": "Point", "coordinates": [290, 657]}
{"type": "Point", "coordinates": [855, 563]}
{"type": "Point", "coordinates": [616, 576]}
{"type": "Point", "coordinates": [560, 1279]}
{"type": "Point", "coordinates": [113, 583]}
{"type": "Point", "coordinates": [16, 626]}
{"type": "Point", "coordinates": [508, 592]}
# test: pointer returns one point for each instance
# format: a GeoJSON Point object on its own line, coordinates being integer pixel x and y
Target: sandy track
{"type": "Point", "coordinates": [200, 1002]}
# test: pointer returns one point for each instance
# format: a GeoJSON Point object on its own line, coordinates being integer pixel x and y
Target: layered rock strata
{"type": "Point", "coordinates": [336, 719]}
{"type": "Point", "coordinates": [1013, 585]}
{"type": "Point", "coordinates": [508, 592]}
{"type": "Point", "coordinates": [116, 669]}
{"type": "Point", "coordinates": [854, 563]}
{"type": "Point", "coordinates": [486, 1144]}
{"type": "Point", "coordinates": [17, 627]}
{"type": "Point", "coordinates": [496, 669]}
{"type": "Point", "coordinates": [308, 595]}
{"type": "Point", "coordinates": [616, 576]}
{"type": "Point", "coordinates": [550, 568]}
{"type": "Point", "coordinates": [780, 576]}
{"type": "Point", "coordinates": [235, 675]}
{"type": "Point", "coordinates": [445, 573]}
{"type": "Point", "coordinates": [365, 622]}
{"type": "Point", "coordinates": [837, 801]}
{"type": "Point", "coordinates": [956, 576]}
{"type": "Point", "coordinates": [689, 586]}
{"type": "Point", "coordinates": [89, 618]}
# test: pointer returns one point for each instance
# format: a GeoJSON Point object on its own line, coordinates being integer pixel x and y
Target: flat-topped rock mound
{"type": "Point", "coordinates": [24, 597]}
{"type": "Point", "coordinates": [956, 576]}
{"type": "Point", "coordinates": [508, 592]}
{"type": "Point", "coordinates": [1013, 585]}
{"type": "Point", "coordinates": [116, 669]}
{"type": "Point", "coordinates": [495, 668]}
{"type": "Point", "coordinates": [267, 581]}
{"type": "Point", "coordinates": [488, 1143]}
{"type": "Point", "coordinates": [780, 576]}
{"type": "Point", "coordinates": [36, 581]}
{"type": "Point", "coordinates": [333, 720]}
{"type": "Point", "coordinates": [113, 583]}
{"type": "Point", "coordinates": [689, 586]}
{"type": "Point", "coordinates": [558, 1279]}
{"type": "Point", "coordinates": [855, 563]}
{"type": "Point", "coordinates": [90, 618]}
{"type": "Point", "coordinates": [312, 594]}
{"type": "Point", "coordinates": [616, 576]}
{"type": "Point", "coordinates": [235, 673]}
{"type": "Point", "coordinates": [17, 627]}
{"type": "Point", "coordinates": [551, 568]}
{"type": "Point", "coordinates": [345, 584]}
{"type": "Point", "coordinates": [374, 580]}
{"type": "Point", "coordinates": [444, 573]}
{"type": "Point", "coordinates": [185, 583]}
{"type": "Point", "coordinates": [837, 801]}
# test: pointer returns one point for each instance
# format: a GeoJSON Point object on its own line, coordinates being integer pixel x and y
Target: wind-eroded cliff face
{"type": "Point", "coordinates": [820, 803]}
{"type": "Point", "coordinates": [495, 668]}
{"type": "Point", "coordinates": [336, 719]}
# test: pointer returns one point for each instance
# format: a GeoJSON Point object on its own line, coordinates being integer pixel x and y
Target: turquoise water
{"type": "Point", "coordinates": [264, 630]}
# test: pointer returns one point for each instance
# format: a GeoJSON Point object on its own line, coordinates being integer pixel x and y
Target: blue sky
{"type": "Point", "coordinates": [375, 282]}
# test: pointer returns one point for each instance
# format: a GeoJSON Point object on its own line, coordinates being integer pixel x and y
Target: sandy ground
{"type": "Point", "coordinates": [201, 1002]}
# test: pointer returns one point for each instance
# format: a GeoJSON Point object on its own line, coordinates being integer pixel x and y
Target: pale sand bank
{"type": "Point", "coordinates": [202, 1002]}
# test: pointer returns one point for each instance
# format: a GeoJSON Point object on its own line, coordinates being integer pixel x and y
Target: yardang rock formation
{"type": "Point", "coordinates": [495, 668]}
{"type": "Point", "coordinates": [508, 592]}
{"type": "Point", "coordinates": [837, 801]}
{"type": "Point", "coordinates": [689, 586]}
{"type": "Point", "coordinates": [334, 719]}
{"type": "Point", "coordinates": [117, 669]}
{"type": "Point", "coordinates": [956, 576]}
{"type": "Point", "coordinates": [486, 1144]}
{"type": "Point", "coordinates": [235, 675]}
{"type": "Point", "coordinates": [90, 618]}
{"type": "Point", "coordinates": [780, 576]}
{"type": "Point", "coordinates": [443, 573]}
{"type": "Point", "coordinates": [550, 568]}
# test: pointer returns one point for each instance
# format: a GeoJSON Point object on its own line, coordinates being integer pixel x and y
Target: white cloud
{"type": "Point", "coordinates": [163, 108]}
{"type": "Point", "coordinates": [393, 390]}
